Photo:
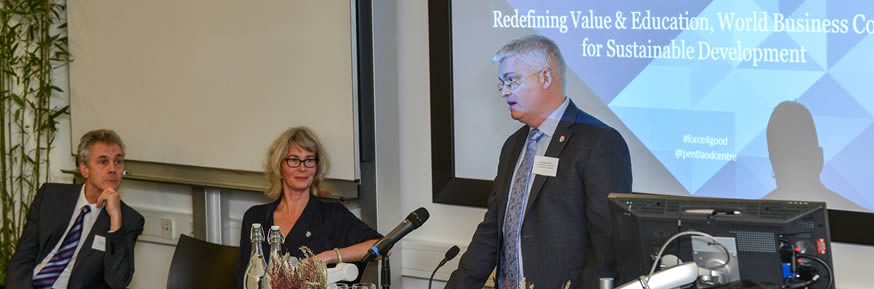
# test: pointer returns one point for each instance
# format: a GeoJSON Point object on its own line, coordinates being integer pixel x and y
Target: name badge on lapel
{"type": "Point", "coordinates": [99, 243]}
{"type": "Point", "coordinates": [545, 166]}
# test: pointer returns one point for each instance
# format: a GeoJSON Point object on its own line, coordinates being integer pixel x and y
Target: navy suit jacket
{"type": "Point", "coordinates": [47, 222]}
{"type": "Point", "coordinates": [566, 230]}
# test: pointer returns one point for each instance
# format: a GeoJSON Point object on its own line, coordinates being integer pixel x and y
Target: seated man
{"type": "Point", "coordinates": [80, 236]}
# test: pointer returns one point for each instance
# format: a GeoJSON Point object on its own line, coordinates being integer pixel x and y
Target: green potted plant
{"type": "Point", "coordinates": [33, 44]}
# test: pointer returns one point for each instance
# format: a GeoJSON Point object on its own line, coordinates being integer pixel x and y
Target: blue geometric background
{"type": "Point", "coordinates": [660, 101]}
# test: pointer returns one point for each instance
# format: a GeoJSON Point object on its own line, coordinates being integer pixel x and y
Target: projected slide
{"type": "Point", "coordinates": [696, 83]}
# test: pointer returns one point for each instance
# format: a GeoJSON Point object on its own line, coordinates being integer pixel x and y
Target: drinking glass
{"type": "Point", "coordinates": [364, 286]}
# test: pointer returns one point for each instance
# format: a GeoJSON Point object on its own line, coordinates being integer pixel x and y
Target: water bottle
{"type": "Point", "coordinates": [257, 266]}
{"type": "Point", "coordinates": [276, 241]}
{"type": "Point", "coordinates": [274, 238]}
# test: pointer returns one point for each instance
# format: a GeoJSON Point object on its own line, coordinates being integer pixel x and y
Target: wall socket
{"type": "Point", "coordinates": [164, 227]}
{"type": "Point", "coordinates": [168, 228]}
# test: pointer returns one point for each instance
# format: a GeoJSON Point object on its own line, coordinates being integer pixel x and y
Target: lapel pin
{"type": "Point", "coordinates": [561, 139]}
{"type": "Point", "coordinates": [309, 234]}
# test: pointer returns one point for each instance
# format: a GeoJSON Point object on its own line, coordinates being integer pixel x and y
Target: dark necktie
{"type": "Point", "coordinates": [48, 274]}
{"type": "Point", "coordinates": [510, 274]}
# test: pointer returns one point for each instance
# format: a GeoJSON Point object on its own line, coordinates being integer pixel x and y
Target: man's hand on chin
{"type": "Point", "coordinates": [113, 207]}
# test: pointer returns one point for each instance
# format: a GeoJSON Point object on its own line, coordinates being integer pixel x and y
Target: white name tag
{"type": "Point", "coordinates": [545, 166]}
{"type": "Point", "coordinates": [99, 243]}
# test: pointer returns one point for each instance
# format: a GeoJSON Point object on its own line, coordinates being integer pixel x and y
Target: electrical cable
{"type": "Point", "coordinates": [802, 284]}
{"type": "Point", "coordinates": [792, 264]}
{"type": "Point", "coordinates": [831, 274]}
{"type": "Point", "coordinates": [662, 250]}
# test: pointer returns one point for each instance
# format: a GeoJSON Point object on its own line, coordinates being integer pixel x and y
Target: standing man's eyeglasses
{"type": "Point", "coordinates": [514, 83]}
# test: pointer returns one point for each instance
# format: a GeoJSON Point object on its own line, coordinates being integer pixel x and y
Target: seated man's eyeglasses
{"type": "Point", "coordinates": [295, 162]}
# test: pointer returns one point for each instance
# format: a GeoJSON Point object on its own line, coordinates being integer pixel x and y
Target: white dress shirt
{"type": "Point", "coordinates": [87, 223]}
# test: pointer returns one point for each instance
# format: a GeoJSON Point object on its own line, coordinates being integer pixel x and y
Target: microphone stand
{"type": "Point", "coordinates": [431, 279]}
{"type": "Point", "coordinates": [449, 256]}
{"type": "Point", "coordinates": [386, 273]}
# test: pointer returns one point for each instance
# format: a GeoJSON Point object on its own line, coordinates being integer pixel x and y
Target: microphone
{"type": "Point", "coordinates": [449, 256]}
{"type": "Point", "coordinates": [412, 222]}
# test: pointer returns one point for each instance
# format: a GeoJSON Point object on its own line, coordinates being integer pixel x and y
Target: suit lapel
{"type": "Point", "coordinates": [560, 138]}
{"type": "Point", "coordinates": [100, 225]}
{"type": "Point", "coordinates": [58, 202]}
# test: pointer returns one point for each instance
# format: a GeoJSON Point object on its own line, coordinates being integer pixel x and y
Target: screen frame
{"type": "Point", "coordinates": [447, 188]}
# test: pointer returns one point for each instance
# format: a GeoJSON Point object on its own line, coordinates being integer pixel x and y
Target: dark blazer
{"type": "Point", "coordinates": [47, 222]}
{"type": "Point", "coordinates": [566, 231]}
{"type": "Point", "coordinates": [321, 227]}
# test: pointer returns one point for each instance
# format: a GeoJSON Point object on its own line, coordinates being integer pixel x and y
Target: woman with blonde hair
{"type": "Point", "coordinates": [296, 165]}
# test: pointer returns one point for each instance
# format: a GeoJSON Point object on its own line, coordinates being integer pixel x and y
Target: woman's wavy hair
{"type": "Point", "coordinates": [306, 139]}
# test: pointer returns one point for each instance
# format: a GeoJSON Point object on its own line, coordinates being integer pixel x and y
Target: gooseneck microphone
{"type": "Point", "coordinates": [449, 256]}
{"type": "Point", "coordinates": [412, 222]}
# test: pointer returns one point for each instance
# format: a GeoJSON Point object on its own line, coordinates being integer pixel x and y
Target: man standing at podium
{"type": "Point", "coordinates": [80, 236]}
{"type": "Point", "coordinates": [547, 218]}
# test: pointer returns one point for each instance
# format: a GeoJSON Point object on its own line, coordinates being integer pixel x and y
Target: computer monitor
{"type": "Point", "coordinates": [772, 242]}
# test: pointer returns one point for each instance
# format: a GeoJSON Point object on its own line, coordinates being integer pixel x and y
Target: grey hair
{"type": "Point", "coordinates": [105, 136]}
{"type": "Point", "coordinates": [536, 50]}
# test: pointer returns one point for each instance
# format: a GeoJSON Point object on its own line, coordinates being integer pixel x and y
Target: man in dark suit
{"type": "Point", "coordinates": [547, 218]}
{"type": "Point", "coordinates": [80, 236]}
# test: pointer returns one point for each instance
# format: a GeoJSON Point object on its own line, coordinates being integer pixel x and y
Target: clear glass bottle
{"type": "Point", "coordinates": [256, 269]}
{"type": "Point", "coordinates": [276, 241]}
{"type": "Point", "coordinates": [274, 238]}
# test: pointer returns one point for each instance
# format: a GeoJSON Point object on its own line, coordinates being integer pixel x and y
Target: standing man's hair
{"type": "Point", "coordinates": [105, 136]}
{"type": "Point", "coordinates": [536, 50]}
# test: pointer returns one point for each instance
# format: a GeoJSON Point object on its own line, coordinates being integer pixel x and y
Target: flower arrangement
{"type": "Point", "coordinates": [309, 273]}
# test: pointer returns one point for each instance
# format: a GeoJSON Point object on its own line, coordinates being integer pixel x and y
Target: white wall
{"type": "Point", "coordinates": [385, 81]}
{"type": "Point", "coordinates": [152, 260]}
{"type": "Point", "coordinates": [448, 225]}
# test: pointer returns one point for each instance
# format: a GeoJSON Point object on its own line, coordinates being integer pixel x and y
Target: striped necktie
{"type": "Point", "coordinates": [48, 274]}
{"type": "Point", "coordinates": [510, 267]}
